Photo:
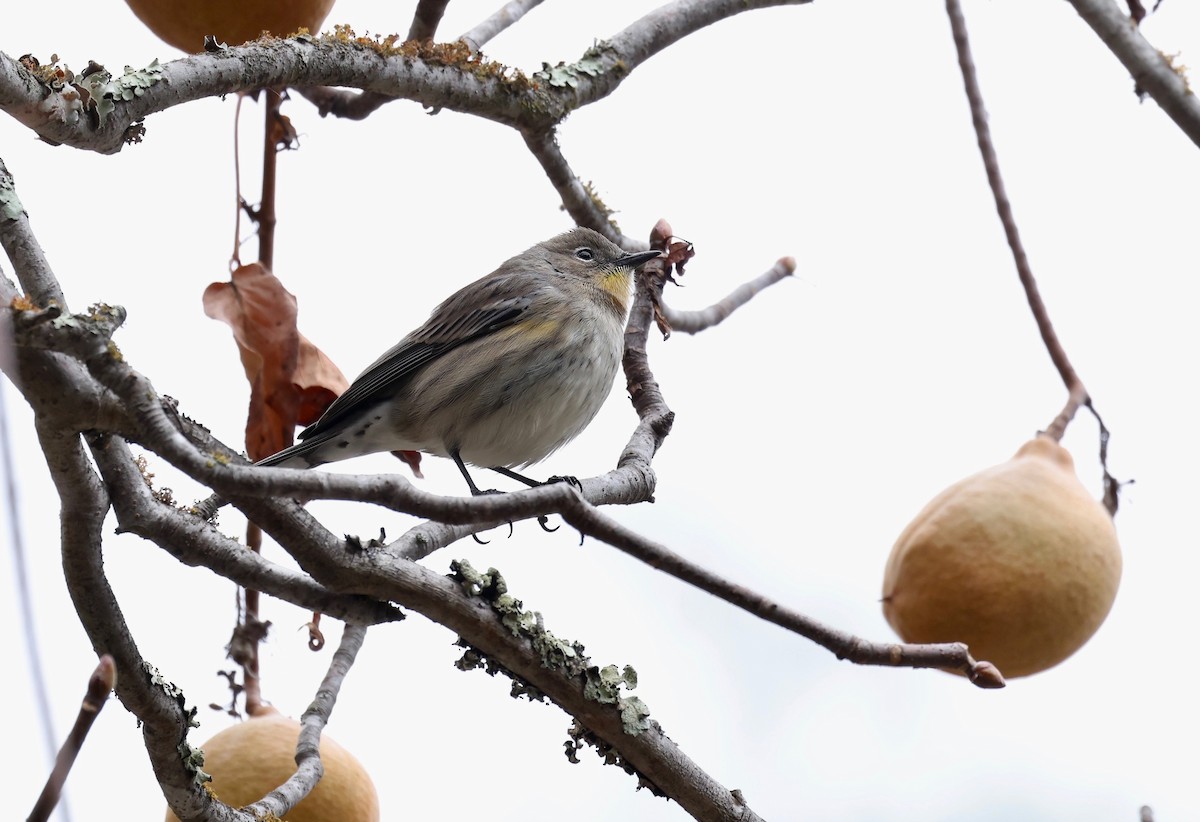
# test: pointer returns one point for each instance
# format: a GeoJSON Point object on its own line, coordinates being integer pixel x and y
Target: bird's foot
{"type": "Point", "coordinates": [476, 492]}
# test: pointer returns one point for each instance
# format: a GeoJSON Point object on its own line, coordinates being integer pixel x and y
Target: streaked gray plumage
{"type": "Point", "coordinates": [503, 373]}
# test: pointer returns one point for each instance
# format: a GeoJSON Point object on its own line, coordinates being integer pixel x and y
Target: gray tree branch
{"type": "Point", "coordinates": [309, 768]}
{"type": "Point", "coordinates": [1150, 69]}
{"type": "Point", "coordinates": [470, 87]}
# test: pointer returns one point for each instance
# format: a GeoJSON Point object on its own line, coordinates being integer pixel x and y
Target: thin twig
{"type": "Point", "coordinates": [37, 673]}
{"type": "Point", "coordinates": [693, 322]}
{"type": "Point", "coordinates": [235, 259]}
{"type": "Point", "coordinates": [100, 684]}
{"type": "Point", "coordinates": [580, 203]}
{"type": "Point", "coordinates": [309, 768]}
{"type": "Point", "coordinates": [1077, 394]}
{"type": "Point", "coordinates": [265, 214]}
{"type": "Point", "coordinates": [29, 262]}
{"type": "Point", "coordinates": [426, 18]}
{"type": "Point", "coordinates": [497, 22]}
{"type": "Point", "coordinates": [590, 520]}
{"type": "Point", "coordinates": [348, 105]}
{"type": "Point", "coordinates": [991, 164]}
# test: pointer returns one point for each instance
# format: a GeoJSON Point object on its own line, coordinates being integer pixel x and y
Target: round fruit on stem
{"type": "Point", "coordinates": [1017, 561]}
{"type": "Point", "coordinates": [252, 758]}
{"type": "Point", "coordinates": [184, 23]}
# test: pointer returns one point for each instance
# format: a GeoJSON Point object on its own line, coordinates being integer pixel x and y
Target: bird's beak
{"type": "Point", "coordinates": [632, 261]}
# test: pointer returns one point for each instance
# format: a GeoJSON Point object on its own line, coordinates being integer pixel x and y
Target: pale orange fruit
{"type": "Point", "coordinates": [1018, 561]}
{"type": "Point", "coordinates": [184, 23]}
{"type": "Point", "coordinates": [250, 759]}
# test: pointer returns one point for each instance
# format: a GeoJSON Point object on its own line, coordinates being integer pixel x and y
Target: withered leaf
{"type": "Point", "coordinates": [291, 380]}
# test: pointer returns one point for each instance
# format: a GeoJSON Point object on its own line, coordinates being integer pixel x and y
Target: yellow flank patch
{"type": "Point", "coordinates": [533, 329]}
{"type": "Point", "coordinates": [616, 281]}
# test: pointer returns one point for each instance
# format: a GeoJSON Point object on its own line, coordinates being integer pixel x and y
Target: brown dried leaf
{"type": "Point", "coordinates": [318, 381]}
{"type": "Point", "coordinates": [291, 381]}
{"type": "Point", "coordinates": [283, 134]}
{"type": "Point", "coordinates": [679, 252]}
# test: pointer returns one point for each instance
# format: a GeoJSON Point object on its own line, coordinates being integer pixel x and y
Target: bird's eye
{"type": "Point", "coordinates": [585, 254]}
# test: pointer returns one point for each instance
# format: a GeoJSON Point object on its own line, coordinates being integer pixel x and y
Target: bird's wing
{"type": "Point", "coordinates": [447, 328]}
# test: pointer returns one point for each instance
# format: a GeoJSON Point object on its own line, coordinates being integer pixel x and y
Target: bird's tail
{"type": "Point", "coordinates": [303, 454]}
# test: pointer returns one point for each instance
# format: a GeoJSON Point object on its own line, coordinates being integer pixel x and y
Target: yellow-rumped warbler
{"type": "Point", "coordinates": [502, 374]}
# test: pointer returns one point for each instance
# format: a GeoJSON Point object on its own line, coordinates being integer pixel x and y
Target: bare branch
{"type": "Point", "coordinates": [376, 574]}
{"type": "Point", "coordinates": [35, 670]}
{"type": "Point", "coordinates": [32, 269]}
{"type": "Point", "coordinates": [348, 105]}
{"type": "Point", "coordinates": [100, 684]}
{"type": "Point", "coordinates": [426, 18]}
{"type": "Point", "coordinates": [501, 19]}
{"type": "Point", "coordinates": [309, 768]}
{"type": "Point", "coordinates": [196, 543]}
{"type": "Point", "coordinates": [643, 388]}
{"type": "Point", "coordinates": [294, 62]}
{"type": "Point", "coordinates": [158, 704]}
{"type": "Point", "coordinates": [1003, 207]}
{"type": "Point", "coordinates": [1152, 72]}
{"type": "Point", "coordinates": [692, 322]}
{"type": "Point", "coordinates": [612, 60]}
{"type": "Point", "coordinates": [434, 78]}
{"type": "Point", "coordinates": [955, 656]}
{"type": "Point", "coordinates": [1077, 394]}
{"type": "Point", "coordinates": [448, 602]}
{"type": "Point", "coordinates": [579, 202]}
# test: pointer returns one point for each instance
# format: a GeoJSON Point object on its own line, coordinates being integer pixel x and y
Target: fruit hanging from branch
{"type": "Point", "coordinates": [185, 23]}
{"type": "Point", "coordinates": [252, 758]}
{"type": "Point", "coordinates": [1018, 561]}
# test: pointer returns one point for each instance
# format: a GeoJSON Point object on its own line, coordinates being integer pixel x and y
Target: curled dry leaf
{"type": "Point", "coordinates": [679, 252]}
{"type": "Point", "coordinates": [292, 382]}
{"type": "Point", "coordinates": [283, 134]}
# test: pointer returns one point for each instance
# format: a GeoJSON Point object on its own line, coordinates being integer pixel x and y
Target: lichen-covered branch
{"type": "Point", "coordinates": [450, 76]}
{"type": "Point", "coordinates": [158, 704]}
{"type": "Point", "coordinates": [358, 105]}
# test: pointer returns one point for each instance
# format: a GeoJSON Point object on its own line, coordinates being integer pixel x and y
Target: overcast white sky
{"type": "Point", "coordinates": [810, 427]}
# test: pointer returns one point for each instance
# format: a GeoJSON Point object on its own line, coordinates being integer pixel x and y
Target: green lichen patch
{"type": "Point", "coordinates": [103, 91]}
{"type": "Point", "coordinates": [93, 90]}
{"type": "Point", "coordinates": [10, 203]}
{"type": "Point", "coordinates": [192, 758]}
{"type": "Point", "coordinates": [605, 685]}
{"type": "Point", "coordinates": [595, 62]}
